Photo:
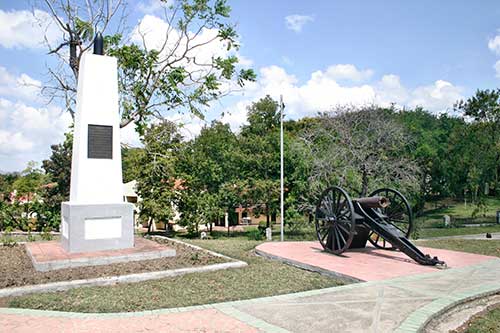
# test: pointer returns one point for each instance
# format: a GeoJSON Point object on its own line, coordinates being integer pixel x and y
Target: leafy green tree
{"type": "Point", "coordinates": [260, 164]}
{"type": "Point", "coordinates": [157, 174]}
{"type": "Point", "coordinates": [130, 163]}
{"type": "Point", "coordinates": [484, 109]}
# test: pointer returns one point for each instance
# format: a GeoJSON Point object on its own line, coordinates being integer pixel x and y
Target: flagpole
{"type": "Point", "coordinates": [282, 106]}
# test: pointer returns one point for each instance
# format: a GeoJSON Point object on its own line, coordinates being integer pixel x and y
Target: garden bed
{"type": "Point", "coordinates": [17, 270]}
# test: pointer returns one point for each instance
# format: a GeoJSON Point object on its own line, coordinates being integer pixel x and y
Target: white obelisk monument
{"type": "Point", "coordinates": [96, 216]}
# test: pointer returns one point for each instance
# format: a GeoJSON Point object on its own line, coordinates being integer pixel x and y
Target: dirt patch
{"type": "Point", "coordinates": [17, 270]}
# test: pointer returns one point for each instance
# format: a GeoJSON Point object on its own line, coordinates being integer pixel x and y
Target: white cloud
{"type": "Point", "coordinates": [14, 142]}
{"type": "Point", "coordinates": [494, 44]}
{"type": "Point", "coordinates": [348, 72]}
{"type": "Point", "coordinates": [27, 129]}
{"type": "Point", "coordinates": [297, 22]}
{"type": "Point", "coordinates": [322, 91]}
{"type": "Point", "coordinates": [26, 133]}
{"type": "Point", "coordinates": [25, 29]}
{"type": "Point", "coordinates": [22, 86]}
{"type": "Point", "coordinates": [497, 68]}
{"type": "Point", "coordinates": [151, 33]}
{"type": "Point", "coordinates": [439, 96]}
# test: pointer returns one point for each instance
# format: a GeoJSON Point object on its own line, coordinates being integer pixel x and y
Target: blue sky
{"type": "Point", "coordinates": [316, 53]}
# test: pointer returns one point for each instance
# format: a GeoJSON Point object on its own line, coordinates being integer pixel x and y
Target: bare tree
{"type": "Point", "coordinates": [78, 21]}
{"type": "Point", "coordinates": [360, 148]}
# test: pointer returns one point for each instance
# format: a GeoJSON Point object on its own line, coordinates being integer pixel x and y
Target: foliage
{"type": "Point", "coordinates": [154, 80]}
{"type": "Point", "coordinates": [7, 239]}
{"type": "Point", "coordinates": [484, 109]}
{"type": "Point", "coordinates": [255, 234]}
{"type": "Point", "coordinates": [156, 178]}
{"type": "Point", "coordinates": [360, 149]}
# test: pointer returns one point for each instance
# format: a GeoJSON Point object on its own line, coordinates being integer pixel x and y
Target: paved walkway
{"type": "Point", "coordinates": [402, 304]}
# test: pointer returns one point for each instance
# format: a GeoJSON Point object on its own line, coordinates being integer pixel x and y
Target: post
{"type": "Point", "coordinates": [282, 210]}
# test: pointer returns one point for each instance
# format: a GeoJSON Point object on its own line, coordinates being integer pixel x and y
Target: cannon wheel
{"type": "Point", "coordinates": [398, 213]}
{"type": "Point", "coordinates": [334, 220]}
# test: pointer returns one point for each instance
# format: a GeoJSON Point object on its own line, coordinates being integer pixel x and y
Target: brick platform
{"type": "Point", "coordinates": [368, 264]}
{"type": "Point", "coordinates": [48, 256]}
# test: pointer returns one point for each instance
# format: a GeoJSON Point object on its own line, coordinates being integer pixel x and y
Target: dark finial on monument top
{"type": "Point", "coordinates": [99, 44]}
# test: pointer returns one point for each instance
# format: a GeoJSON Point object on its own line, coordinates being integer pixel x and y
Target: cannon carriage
{"type": "Point", "coordinates": [384, 219]}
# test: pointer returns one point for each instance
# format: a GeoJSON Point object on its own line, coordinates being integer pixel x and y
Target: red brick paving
{"type": "Point", "coordinates": [369, 264]}
{"type": "Point", "coordinates": [209, 320]}
{"type": "Point", "coordinates": [53, 251]}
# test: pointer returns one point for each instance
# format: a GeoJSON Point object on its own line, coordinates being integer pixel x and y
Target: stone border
{"type": "Point", "coordinates": [97, 261]}
{"type": "Point", "coordinates": [308, 267]}
{"type": "Point", "coordinates": [130, 278]}
{"type": "Point", "coordinates": [419, 319]}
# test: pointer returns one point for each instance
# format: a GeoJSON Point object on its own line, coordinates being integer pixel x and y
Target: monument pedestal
{"type": "Point", "coordinates": [97, 227]}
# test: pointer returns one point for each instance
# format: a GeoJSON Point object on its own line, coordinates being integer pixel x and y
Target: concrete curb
{"type": "Point", "coordinates": [307, 267]}
{"type": "Point", "coordinates": [130, 278]}
{"type": "Point", "coordinates": [418, 320]}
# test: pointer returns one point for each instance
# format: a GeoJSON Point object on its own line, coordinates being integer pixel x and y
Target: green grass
{"type": "Point", "coordinates": [487, 323]}
{"type": "Point", "coordinates": [486, 247]}
{"type": "Point", "coordinates": [458, 211]}
{"type": "Point", "coordinates": [442, 232]}
{"type": "Point", "coordinates": [261, 278]}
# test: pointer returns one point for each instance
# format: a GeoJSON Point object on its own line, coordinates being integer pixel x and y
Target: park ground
{"type": "Point", "coordinates": [260, 278]}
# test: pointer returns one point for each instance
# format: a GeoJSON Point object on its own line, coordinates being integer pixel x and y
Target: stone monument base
{"type": "Point", "coordinates": [97, 227]}
{"type": "Point", "coordinates": [48, 256]}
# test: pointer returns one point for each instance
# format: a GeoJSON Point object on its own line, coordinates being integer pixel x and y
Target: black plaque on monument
{"type": "Point", "coordinates": [100, 142]}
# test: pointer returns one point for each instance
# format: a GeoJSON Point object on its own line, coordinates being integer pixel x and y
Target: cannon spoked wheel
{"type": "Point", "coordinates": [334, 220]}
{"type": "Point", "coordinates": [398, 213]}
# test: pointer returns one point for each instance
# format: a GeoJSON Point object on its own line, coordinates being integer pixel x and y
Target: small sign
{"type": "Point", "coordinates": [100, 142]}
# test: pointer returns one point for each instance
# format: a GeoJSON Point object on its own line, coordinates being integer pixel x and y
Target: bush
{"type": "Point", "coordinates": [262, 227]}
{"type": "Point", "coordinates": [255, 234]}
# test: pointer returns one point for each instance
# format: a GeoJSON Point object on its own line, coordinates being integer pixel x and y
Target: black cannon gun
{"type": "Point", "coordinates": [384, 218]}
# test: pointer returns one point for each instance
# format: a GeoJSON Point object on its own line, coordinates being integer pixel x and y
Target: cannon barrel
{"type": "Point", "coordinates": [373, 202]}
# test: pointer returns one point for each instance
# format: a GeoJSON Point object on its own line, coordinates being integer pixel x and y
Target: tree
{"type": "Point", "coordinates": [360, 148]}
{"type": "Point", "coordinates": [484, 109]}
{"type": "Point", "coordinates": [130, 163]}
{"type": "Point", "coordinates": [77, 21]}
{"type": "Point", "coordinates": [158, 78]}
{"type": "Point", "coordinates": [58, 167]}
{"type": "Point", "coordinates": [157, 179]}
{"type": "Point", "coordinates": [26, 198]}
{"type": "Point", "coordinates": [260, 165]}
{"type": "Point", "coordinates": [209, 163]}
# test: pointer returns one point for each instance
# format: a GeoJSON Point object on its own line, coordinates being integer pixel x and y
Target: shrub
{"type": "Point", "coordinates": [255, 234]}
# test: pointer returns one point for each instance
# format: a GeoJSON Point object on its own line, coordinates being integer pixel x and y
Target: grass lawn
{"type": "Point", "coordinates": [458, 211]}
{"type": "Point", "coordinates": [441, 232]}
{"type": "Point", "coordinates": [261, 278]}
{"type": "Point", "coordinates": [485, 323]}
{"type": "Point", "coordinates": [486, 247]}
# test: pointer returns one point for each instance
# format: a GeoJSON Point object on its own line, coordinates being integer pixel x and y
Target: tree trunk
{"type": "Point", "coordinates": [364, 183]}
{"type": "Point", "coordinates": [267, 216]}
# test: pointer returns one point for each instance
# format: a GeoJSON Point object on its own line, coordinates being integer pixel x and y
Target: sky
{"type": "Point", "coordinates": [317, 54]}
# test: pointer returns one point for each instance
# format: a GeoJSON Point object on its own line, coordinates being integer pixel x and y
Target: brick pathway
{"type": "Point", "coordinates": [367, 264]}
{"type": "Point", "coordinates": [402, 304]}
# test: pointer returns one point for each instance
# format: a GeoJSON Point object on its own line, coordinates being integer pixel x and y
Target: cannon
{"type": "Point", "coordinates": [384, 219]}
